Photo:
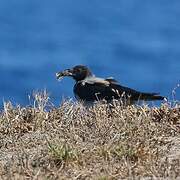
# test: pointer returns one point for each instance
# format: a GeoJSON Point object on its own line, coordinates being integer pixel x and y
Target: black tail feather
{"type": "Point", "coordinates": [151, 96]}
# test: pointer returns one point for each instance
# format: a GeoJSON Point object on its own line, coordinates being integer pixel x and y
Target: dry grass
{"type": "Point", "coordinates": [74, 142]}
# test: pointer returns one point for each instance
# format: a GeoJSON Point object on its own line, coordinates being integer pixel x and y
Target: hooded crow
{"type": "Point", "coordinates": [89, 88]}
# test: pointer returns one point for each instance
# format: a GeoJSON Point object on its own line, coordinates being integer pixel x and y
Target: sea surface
{"type": "Point", "coordinates": [135, 41]}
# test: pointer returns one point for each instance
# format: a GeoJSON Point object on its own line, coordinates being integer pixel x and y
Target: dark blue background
{"type": "Point", "coordinates": [135, 41]}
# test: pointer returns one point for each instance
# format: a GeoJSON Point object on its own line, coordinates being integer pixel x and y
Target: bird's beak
{"type": "Point", "coordinates": [67, 72]}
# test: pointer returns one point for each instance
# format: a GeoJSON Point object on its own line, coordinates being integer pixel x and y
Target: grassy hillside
{"type": "Point", "coordinates": [74, 142]}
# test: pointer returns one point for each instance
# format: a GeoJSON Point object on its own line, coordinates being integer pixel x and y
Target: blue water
{"type": "Point", "coordinates": [136, 42]}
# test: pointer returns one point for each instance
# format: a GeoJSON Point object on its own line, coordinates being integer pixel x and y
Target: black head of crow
{"type": "Point", "coordinates": [78, 73]}
{"type": "Point", "coordinates": [89, 88]}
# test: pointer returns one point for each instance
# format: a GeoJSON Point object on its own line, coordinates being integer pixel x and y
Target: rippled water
{"type": "Point", "coordinates": [136, 42]}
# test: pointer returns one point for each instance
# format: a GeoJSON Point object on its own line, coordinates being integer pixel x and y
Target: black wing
{"type": "Point", "coordinates": [134, 95]}
{"type": "Point", "coordinates": [100, 91]}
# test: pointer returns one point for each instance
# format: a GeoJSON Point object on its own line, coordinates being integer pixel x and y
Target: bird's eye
{"type": "Point", "coordinates": [78, 70]}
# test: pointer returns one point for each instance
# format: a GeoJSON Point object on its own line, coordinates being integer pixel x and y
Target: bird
{"type": "Point", "coordinates": [89, 88]}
